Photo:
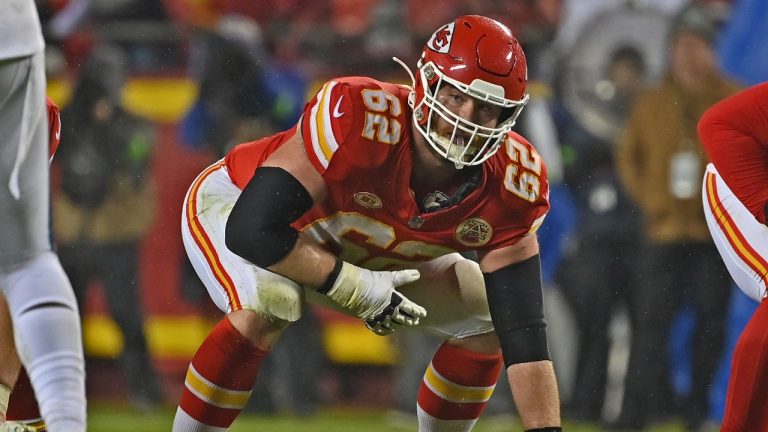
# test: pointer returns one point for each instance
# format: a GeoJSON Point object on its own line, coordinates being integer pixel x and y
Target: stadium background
{"type": "Point", "coordinates": [161, 89]}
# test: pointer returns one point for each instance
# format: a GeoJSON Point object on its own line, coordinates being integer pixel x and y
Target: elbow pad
{"type": "Point", "coordinates": [259, 226]}
{"type": "Point", "coordinates": [516, 302]}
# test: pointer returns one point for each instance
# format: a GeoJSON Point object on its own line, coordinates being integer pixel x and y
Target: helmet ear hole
{"type": "Point", "coordinates": [429, 73]}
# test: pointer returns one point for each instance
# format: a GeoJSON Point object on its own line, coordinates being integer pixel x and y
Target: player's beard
{"type": "Point", "coordinates": [428, 162]}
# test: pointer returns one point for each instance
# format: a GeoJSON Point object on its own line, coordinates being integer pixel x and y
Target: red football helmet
{"type": "Point", "coordinates": [480, 57]}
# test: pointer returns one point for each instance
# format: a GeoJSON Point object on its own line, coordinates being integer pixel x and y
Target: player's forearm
{"type": "Point", "coordinates": [368, 294]}
{"type": "Point", "coordinates": [308, 264]}
{"type": "Point", "coordinates": [516, 303]}
{"type": "Point", "coordinates": [259, 225]}
{"type": "Point", "coordinates": [260, 229]}
{"type": "Point", "coordinates": [534, 389]}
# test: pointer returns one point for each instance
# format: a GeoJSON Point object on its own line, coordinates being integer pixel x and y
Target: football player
{"type": "Point", "coordinates": [46, 323]}
{"type": "Point", "coordinates": [22, 409]}
{"type": "Point", "coordinates": [364, 206]}
{"type": "Point", "coordinates": [734, 133]}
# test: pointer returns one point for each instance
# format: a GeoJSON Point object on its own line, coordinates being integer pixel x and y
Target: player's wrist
{"type": "Point", "coordinates": [353, 289]}
{"type": "Point", "coordinates": [331, 279]}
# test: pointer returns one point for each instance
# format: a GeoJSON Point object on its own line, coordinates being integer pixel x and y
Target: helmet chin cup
{"type": "Point", "coordinates": [454, 152]}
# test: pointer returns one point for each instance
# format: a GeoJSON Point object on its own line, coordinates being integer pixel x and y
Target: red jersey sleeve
{"type": "Point", "coordinates": [54, 124]}
{"type": "Point", "coordinates": [348, 121]}
{"type": "Point", "coordinates": [734, 133]}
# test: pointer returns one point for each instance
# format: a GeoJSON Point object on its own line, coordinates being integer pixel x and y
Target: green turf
{"type": "Point", "coordinates": [108, 418]}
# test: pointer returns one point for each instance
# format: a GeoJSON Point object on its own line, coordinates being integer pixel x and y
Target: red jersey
{"type": "Point", "coordinates": [734, 132]}
{"type": "Point", "coordinates": [357, 135]}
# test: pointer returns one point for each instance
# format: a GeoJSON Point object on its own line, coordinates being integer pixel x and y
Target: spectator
{"type": "Point", "coordinates": [661, 163]}
{"type": "Point", "coordinates": [596, 275]}
{"type": "Point", "coordinates": [743, 46]}
{"type": "Point", "coordinates": [106, 205]}
{"type": "Point", "coordinates": [243, 92]}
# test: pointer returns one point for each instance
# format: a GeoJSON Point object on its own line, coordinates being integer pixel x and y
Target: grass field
{"type": "Point", "coordinates": [110, 418]}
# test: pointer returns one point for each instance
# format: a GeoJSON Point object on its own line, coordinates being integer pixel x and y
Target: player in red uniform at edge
{"type": "Point", "coordinates": [734, 133]}
{"type": "Point", "coordinates": [363, 206]}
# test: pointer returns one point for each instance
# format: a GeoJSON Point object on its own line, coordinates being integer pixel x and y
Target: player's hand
{"type": "Point", "coordinates": [371, 295]}
{"type": "Point", "coordinates": [400, 311]}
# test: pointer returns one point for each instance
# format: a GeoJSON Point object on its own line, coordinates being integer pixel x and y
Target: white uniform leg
{"type": "Point", "coordinates": [47, 331]}
{"type": "Point", "coordinates": [42, 305]}
{"type": "Point", "coordinates": [232, 282]}
{"type": "Point", "coordinates": [452, 290]}
{"type": "Point", "coordinates": [24, 184]}
{"type": "Point", "coordinates": [740, 238]}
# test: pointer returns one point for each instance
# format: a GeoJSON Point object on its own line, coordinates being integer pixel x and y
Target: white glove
{"type": "Point", "coordinates": [371, 295]}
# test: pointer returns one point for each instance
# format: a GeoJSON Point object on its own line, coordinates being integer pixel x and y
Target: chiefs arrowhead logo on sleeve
{"type": "Point", "coordinates": [441, 40]}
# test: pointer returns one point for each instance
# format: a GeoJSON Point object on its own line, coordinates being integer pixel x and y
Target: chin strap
{"type": "Point", "coordinates": [407, 69]}
{"type": "Point", "coordinates": [412, 94]}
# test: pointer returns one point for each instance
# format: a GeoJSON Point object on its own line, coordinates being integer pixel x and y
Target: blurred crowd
{"type": "Point", "coordinates": [640, 305]}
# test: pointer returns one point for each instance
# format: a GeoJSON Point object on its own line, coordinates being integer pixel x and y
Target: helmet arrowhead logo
{"type": "Point", "coordinates": [441, 39]}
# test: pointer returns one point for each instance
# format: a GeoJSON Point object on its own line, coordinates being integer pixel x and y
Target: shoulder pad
{"type": "Point", "coordinates": [524, 177]}
{"type": "Point", "coordinates": [362, 116]}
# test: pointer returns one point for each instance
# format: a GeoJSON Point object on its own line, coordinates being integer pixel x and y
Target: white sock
{"type": "Point", "coordinates": [48, 339]}
{"type": "Point", "coordinates": [428, 423]}
{"type": "Point", "coordinates": [183, 422]}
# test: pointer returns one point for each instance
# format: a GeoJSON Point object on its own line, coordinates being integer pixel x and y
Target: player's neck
{"type": "Point", "coordinates": [430, 170]}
